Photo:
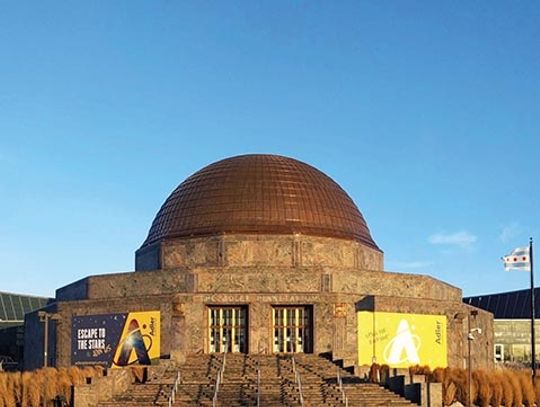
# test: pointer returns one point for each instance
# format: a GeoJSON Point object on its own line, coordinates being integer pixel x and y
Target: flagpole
{"type": "Point", "coordinates": [533, 341]}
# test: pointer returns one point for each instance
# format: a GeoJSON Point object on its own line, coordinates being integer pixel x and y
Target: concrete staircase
{"type": "Point", "coordinates": [278, 386]}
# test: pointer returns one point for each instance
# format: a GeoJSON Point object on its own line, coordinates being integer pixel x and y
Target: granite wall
{"type": "Point", "coordinates": [258, 250]}
{"type": "Point", "coordinates": [336, 277]}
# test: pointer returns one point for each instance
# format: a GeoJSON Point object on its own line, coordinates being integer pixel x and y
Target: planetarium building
{"type": "Point", "coordinates": [258, 253]}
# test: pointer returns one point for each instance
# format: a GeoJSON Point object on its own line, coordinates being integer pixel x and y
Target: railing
{"type": "Point", "coordinates": [174, 389]}
{"type": "Point", "coordinates": [260, 350]}
{"type": "Point", "coordinates": [259, 375]}
{"type": "Point", "coordinates": [258, 383]}
{"type": "Point", "coordinates": [344, 398]}
{"type": "Point", "coordinates": [219, 377]}
{"type": "Point", "coordinates": [298, 381]}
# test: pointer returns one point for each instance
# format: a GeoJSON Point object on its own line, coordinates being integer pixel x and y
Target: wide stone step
{"type": "Point", "coordinates": [278, 386]}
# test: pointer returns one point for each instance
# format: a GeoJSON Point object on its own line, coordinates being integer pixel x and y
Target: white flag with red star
{"type": "Point", "coordinates": [519, 259]}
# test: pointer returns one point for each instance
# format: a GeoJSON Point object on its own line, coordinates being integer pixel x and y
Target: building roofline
{"type": "Point", "coordinates": [26, 295]}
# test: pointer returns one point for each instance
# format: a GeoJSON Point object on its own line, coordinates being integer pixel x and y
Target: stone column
{"type": "Point", "coordinates": [259, 328]}
{"type": "Point", "coordinates": [178, 332]}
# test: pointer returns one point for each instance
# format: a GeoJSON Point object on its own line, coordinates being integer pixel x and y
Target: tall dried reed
{"type": "Point", "coordinates": [419, 370]}
{"type": "Point", "coordinates": [138, 373]}
{"type": "Point", "coordinates": [510, 375]}
{"type": "Point", "coordinates": [374, 373]}
{"type": "Point", "coordinates": [8, 391]}
{"type": "Point", "coordinates": [483, 385]}
{"type": "Point", "coordinates": [527, 388]}
{"type": "Point", "coordinates": [537, 389]}
{"type": "Point", "coordinates": [384, 373]}
{"type": "Point", "coordinates": [76, 376]}
{"type": "Point", "coordinates": [31, 392]}
{"type": "Point", "coordinates": [3, 389]}
{"type": "Point", "coordinates": [14, 380]}
{"type": "Point", "coordinates": [30, 389]}
{"type": "Point", "coordinates": [437, 376]}
{"type": "Point", "coordinates": [64, 384]}
{"type": "Point", "coordinates": [495, 381]}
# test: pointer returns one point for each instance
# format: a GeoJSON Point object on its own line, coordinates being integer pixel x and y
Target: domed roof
{"type": "Point", "coordinates": [260, 194]}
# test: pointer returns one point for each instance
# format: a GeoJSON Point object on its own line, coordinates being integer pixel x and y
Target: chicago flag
{"type": "Point", "coordinates": [518, 259]}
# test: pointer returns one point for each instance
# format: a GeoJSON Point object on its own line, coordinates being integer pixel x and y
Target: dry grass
{"type": "Point", "coordinates": [49, 383]}
{"type": "Point", "coordinates": [139, 373]}
{"type": "Point", "coordinates": [527, 388]}
{"type": "Point", "coordinates": [495, 388]}
{"type": "Point", "coordinates": [64, 384]}
{"type": "Point", "coordinates": [29, 388]}
{"type": "Point", "coordinates": [8, 391]}
{"type": "Point", "coordinates": [14, 380]}
{"type": "Point", "coordinates": [76, 376]}
{"type": "Point", "coordinates": [374, 373]}
{"type": "Point", "coordinates": [437, 376]}
{"type": "Point", "coordinates": [419, 370]}
{"type": "Point", "coordinates": [3, 389]}
{"type": "Point", "coordinates": [450, 394]}
{"type": "Point", "coordinates": [483, 385]}
{"type": "Point", "coordinates": [537, 388]}
{"type": "Point", "coordinates": [496, 384]}
{"type": "Point", "coordinates": [508, 389]}
{"type": "Point", "coordinates": [384, 373]}
{"type": "Point", "coordinates": [510, 375]}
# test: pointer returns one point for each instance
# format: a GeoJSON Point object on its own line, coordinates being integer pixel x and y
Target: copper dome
{"type": "Point", "coordinates": [263, 194]}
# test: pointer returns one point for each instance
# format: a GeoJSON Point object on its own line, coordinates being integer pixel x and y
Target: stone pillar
{"type": "Point", "coordinates": [340, 329]}
{"type": "Point", "coordinates": [259, 328]}
{"type": "Point", "coordinates": [323, 327]}
{"type": "Point", "coordinates": [178, 332]}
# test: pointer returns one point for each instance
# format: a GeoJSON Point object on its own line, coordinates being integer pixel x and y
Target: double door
{"type": "Point", "coordinates": [227, 329]}
{"type": "Point", "coordinates": [293, 329]}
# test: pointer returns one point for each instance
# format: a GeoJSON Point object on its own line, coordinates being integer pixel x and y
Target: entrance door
{"type": "Point", "coordinates": [293, 332]}
{"type": "Point", "coordinates": [227, 329]}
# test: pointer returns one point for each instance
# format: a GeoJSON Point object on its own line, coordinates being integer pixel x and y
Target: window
{"type": "Point", "coordinates": [498, 352]}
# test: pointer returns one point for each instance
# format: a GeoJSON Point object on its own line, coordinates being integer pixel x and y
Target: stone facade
{"type": "Point", "coordinates": [335, 277]}
{"type": "Point", "coordinates": [258, 250]}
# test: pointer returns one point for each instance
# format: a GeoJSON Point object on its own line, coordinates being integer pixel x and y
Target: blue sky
{"type": "Point", "coordinates": [427, 113]}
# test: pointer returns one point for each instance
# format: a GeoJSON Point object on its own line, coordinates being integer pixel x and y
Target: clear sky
{"type": "Point", "coordinates": [426, 112]}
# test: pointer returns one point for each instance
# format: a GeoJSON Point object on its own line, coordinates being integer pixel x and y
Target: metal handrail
{"type": "Point", "coordinates": [216, 390]}
{"type": "Point", "coordinates": [174, 389]}
{"type": "Point", "coordinates": [219, 376]}
{"type": "Point", "coordinates": [258, 386]}
{"type": "Point", "coordinates": [298, 381]}
{"type": "Point", "coordinates": [344, 398]}
{"type": "Point", "coordinates": [259, 375]}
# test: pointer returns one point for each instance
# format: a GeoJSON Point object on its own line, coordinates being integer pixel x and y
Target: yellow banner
{"type": "Point", "coordinates": [140, 340]}
{"type": "Point", "coordinates": [401, 340]}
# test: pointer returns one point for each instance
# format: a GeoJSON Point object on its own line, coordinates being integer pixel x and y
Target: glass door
{"type": "Point", "coordinates": [292, 326]}
{"type": "Point", "coordinates": [227, 329]}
